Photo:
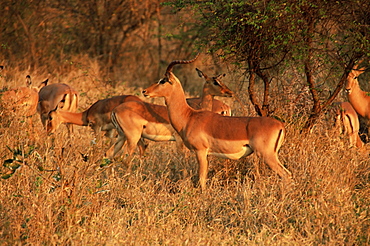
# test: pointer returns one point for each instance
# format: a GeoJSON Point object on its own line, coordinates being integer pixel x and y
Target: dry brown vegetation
{"type": "Point", "coordinates": [54, 192]}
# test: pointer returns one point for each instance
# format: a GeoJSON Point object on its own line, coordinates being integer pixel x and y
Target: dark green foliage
{"type": "Point", "coordinates": [11, 165]}
{"type": "Point", "coordinates": [320, 39]}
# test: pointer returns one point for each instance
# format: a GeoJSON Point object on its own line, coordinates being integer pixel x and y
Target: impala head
{"type": "Point", "coordinates": [29, 82]}
{"type": "Point", "coordinates": [53, 121]}
{"type": "Point", "coordinates": [214, 86]}
{"type": "Point", "coordinates": [165, 86]}
{"type": "Point", "coordinates": [42, 108]}
{"type": "Point", "coordinates": [352, 79]}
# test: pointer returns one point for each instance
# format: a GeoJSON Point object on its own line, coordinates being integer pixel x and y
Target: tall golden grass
{"type": "Point", "coordinates": [54, 192]}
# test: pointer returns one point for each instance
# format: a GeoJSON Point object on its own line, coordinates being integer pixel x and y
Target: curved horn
{"type": "Point", "coordinates": [173, 63]}
{"type": "Point", "coordinates": [355, 67]}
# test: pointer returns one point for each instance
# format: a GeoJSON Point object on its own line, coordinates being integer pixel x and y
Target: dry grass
{"type": "Point", "coordinates": [57, 197]}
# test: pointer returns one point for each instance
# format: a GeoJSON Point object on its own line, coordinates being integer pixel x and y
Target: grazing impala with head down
{"type": "Point", "coordinates": [56, 96]}
{"type": "Point", "coordinates": [207, 133]}
{"type": "Point", "coordinates": [134, 120]}
{"type": "Point", "coordinates": [97, 116]}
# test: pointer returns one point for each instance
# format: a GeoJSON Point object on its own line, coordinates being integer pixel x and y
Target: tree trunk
{"type": "Point", "coordinates": [266, 93]}
{"type": "Point", "coordinates": [264, 109]}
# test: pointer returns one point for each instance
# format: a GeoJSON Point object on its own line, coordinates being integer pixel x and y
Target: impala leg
{"type": "Point", "coordinates": [116, 148]}
{"type": "Point", "coordinates": [110, 134]}
{"type": "Point", "coordinates": [179, 144]}
{"type": "Point", "coordinates": [132, 142]}
{"type": "Point", "coordinates": [142, 146]}
{"type": "Point", "coordinates": [352, 138]}
{"type": "Point", "coordinates": [203, 167]}
{"type": "Point", "coordinates": [338, 123]}
{"type": "Point", "coordinates": [97, 132]}
{"type": "Point", "coordinates": [44, 120]}
{"type": "Point", "coordinates": [69, 128]}
{"type": "Point", "coordinates": [355, 140]}
{"type": "Point", "coordinates": [358, 141]}
{"type": "Point", "coordinates": [273, 162]}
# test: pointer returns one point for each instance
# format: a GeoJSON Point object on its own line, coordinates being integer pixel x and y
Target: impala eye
{"type": "Point", "coordinates": [355, 77]}
{"type": "Point", "coordinates": [215, 82]}
{"type": "Point", "coordinates": [162, 81]}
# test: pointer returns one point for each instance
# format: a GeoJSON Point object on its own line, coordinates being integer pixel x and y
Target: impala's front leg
{"type": "Point", "coordinates": [179, 144]}
{"type": "Point", "coordinates": [203, 167]}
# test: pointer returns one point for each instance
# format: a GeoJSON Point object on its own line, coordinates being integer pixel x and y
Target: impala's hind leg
{"type": "Point", "coordinates": [116, 148]}
{"type": "Point", "coordinates": [273, 162]}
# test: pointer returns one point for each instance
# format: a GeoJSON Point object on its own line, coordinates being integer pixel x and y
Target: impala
{"type": "Point", "coordinates": [56, 96]}
{"type": "Point", "coordinates": [360, 100]}
{"type": "Point", "coordinates": [347, 122]}
{"type": "Point", "coordinates": [23, 100]}
{"type": "Point", "coordinates": [97, 116]}
{"type": "Point", "coordinates": [134, 120]}
{"type": "Point", "coordinates": [212, 87]}
{"type": "Point", "coordinates": [207, 133]}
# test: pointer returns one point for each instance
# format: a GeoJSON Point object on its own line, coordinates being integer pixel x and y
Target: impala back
{"type": "Point", "coordinates": [99, 114]}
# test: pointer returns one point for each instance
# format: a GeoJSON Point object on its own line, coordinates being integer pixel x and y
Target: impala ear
{"type": "Point", "coordinates": [200, 73]}
{"type": "Point", "coordinates": [220, 76]}
{"type": "Point", "coordinates": [44, 83]}
{"type": "Point", "coordinates": [28, 81]}
{"type": "Point", "coordinates": [355, 67]}
{"type": "Point", "coordinates": [363, 69]}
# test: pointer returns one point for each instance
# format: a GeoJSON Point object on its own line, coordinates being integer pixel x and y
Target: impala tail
{"type": "Point", "coordinates": [280, 139]}
{"type": "Point", "coordinates": [70, 102]}
{"type": "Point", "coordinates": [116, 125]}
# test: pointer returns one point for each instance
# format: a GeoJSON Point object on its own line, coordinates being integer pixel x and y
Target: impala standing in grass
{"type": "Point", "coordinates": [97, 116]}
{"type": "Point", "coordinates": [212, 87]}
{"type": "Point", "coordinates": [359, 99]}
{"type": "Point", "coordinates": [347, 122]}
{"type": "Point", "coordinates": [207, 133]}
{"type": "Point", "coordinates": [134, 120]}
{"type": "Point", "coordinates": [56, 96]}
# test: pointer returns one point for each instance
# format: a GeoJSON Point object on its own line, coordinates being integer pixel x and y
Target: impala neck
{"type": "Point", "coordinates": [206, 100]}
{"type": "Point", "coordinates": [74, 118]}
{"type": "Point", "coordinates": [178, 109]}
{"type": "Point", "coordinates": [359, 100]}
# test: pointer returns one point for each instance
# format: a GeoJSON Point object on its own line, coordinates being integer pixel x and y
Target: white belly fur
{"type": "Point", "coordinates": [234, 156]}
{"type": "Point", "coordinates": [159, 138]}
